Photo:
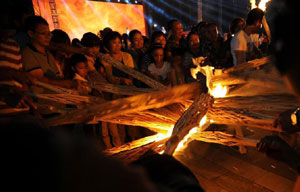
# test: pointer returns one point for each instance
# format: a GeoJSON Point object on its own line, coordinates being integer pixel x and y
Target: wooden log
{"type": "Point", "coordinates": [127, 155]}
{"type": "Point", "coordinates": [135, 144]}
{"type": "Point", "coordinates": [223, 138]}
{"type": "Point", "coordinates": [56, 89]}
{"type": "Point", "coordinates": [140, 76]}
{"type": "Point", "coordinates": [264, 104]}
{"type": "Point", "coordinates": [249, 65]}
{"type": "Point", "coordinates": [97, 112]}
{"type": "Point", "coordinates": [119, 89]}
{"type": "Point", "coordinates": [230, 116]}
{"type": "Point", "coordinates": [190, 118]}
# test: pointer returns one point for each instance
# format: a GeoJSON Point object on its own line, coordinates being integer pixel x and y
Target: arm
{"type": "Point", "coordinates": [240, 57]}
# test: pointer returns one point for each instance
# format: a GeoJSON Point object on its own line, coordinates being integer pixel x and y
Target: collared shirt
{"type": "Point", "coordinates": [33, 59]}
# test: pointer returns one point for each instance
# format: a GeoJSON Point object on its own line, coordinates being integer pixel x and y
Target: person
{"type": "Point", "coordinates": [13, 81]}
{"type": "Point", "coordinates": [243, 47]}
{"type": "Point", "coordinates": [136, 49]}
{"type": "Point", "coordinates": [60, 37]}
{"type": "Point", "coordinates": [36, 58]}
{"type": "Point", "coordinates": [113, 42]}
{"type": "Point", "coordinates": [156, 37]}
{"type": "Point", "coordinates": [160, 69]}
{"type": "Point", "coordinates": [176, 46]}
{"type": "Point", "coordinates": [78, 63]}
{"type": "Point", "coordinates": [193, 51]}
{"type": "Point", "coordinates": [285, 49]}
{"type": "Point", "coordinates": [214, 48]}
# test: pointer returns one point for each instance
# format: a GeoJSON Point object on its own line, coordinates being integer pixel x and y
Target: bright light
{"type": "Point", "coordinates": [262, 4]}
{"type": "Point", "coordinates": [154, 25]}
{"type": "Point", "coordinates": [203, 121]}
{"type": "Point", "coordinates": [219, 91]}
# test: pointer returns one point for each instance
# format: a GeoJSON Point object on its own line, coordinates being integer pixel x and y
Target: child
{"type": "Point", "coordinates": [80, 73]}
{"type": "Point", "coordinates": [160, 69]}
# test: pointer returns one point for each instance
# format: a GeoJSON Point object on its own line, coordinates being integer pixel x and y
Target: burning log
{"type": "Point", "coordinates": [97, 112]}
{"type": "Point", "coordinates": [190, 118]}
{"type": "Point", "coordinates": [134, 150]}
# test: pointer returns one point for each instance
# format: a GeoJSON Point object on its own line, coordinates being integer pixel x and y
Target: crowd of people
{"type": "Point", "coordinates": [28, 52]}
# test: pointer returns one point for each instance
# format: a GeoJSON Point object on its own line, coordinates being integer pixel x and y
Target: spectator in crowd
{"type": "Point", "coordinates": [136, 49]}
{"type": "Point", "coordinates": [60, 56]}
{"type": "Point", "coordinates": [36, 58]}
{"type": "Point", "coordinates": [156, 37]}
{"type": "Point", "coordinates": [214, 48]}
{"type": "Point", "coordinates": [160, 69]}
{"type": "Point", "coordinates": [78, 63]}
{"type": "Point", "coordinates": [285, 49]}
{"type": "Point", "coordinates": [243, 48]}
{"type": "Point", "coordinates": [113, 43]}
{"type": "Point", "coordinates": [176, 45]}
{"type": "Point", "coordinates": [193, 51]}
{"type": "Point", "coordinates": [92, 42]}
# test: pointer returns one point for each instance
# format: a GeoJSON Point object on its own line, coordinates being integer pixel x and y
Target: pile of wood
{"type": "Point", "coordinates": [256, 95]}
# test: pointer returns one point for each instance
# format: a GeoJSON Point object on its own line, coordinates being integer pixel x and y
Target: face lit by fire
{"type": "Point", "coordinates": [81, 69]}
{"type": "Point", "coordinates": [137, 41]}
{"type": "Point", "coordinates": [194, 42]}
{"type": "Point", "coordinates": [162, 40]}
{"type": "Point", "coordinates": [115, 46]}
{"type": "Point", "coordinates": [41, 35]}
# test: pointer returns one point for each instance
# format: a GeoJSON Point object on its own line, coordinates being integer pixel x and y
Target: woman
{"type": "Point", "coordinates": [113, 42]}
{"type": "Point", "coordinates": [136, 49]}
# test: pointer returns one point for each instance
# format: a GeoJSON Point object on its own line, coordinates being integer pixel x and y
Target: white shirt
{"type": "Point", "coordinates": [241, 42]}
{"type": "Point", "coordinates": [162, 72]}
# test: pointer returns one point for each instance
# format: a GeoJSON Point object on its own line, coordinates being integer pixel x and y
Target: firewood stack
{"type": "Point", "coordinates": [256, 94]}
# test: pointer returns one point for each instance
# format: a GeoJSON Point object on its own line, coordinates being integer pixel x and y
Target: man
{"type": "Point", "coordinates": [286, 42]}
{"type": "Point", "coordinates": [37, 60]}
{"type": "Point", "coordinates": [243, 47]}
{"type": "Point", "coordinates": [176, 46]}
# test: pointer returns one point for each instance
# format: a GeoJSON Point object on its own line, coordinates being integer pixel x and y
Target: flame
{"type": "Point", "coordinates": [194, 130]}
{"type": "Point", "coordinates": [261, 5]}
{"type": "Point", "coordinates": [219, 91]}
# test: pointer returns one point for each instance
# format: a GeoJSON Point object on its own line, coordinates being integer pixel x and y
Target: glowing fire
{"type": "Point", "coordinates": [261, 5]}
{"type": "Point", "coordinates": [219, 91]}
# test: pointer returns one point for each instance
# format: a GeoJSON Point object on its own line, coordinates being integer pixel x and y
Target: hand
{"type": "Point", "coordinates": [276, 148]}
{"type": "Point", "coordinates": [284, 122]}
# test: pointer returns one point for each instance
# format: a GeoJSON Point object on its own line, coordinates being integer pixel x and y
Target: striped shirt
{"type": "Point", "coordinates": [10, 55]}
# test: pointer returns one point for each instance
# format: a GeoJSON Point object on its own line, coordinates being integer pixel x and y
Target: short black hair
{"type": "Point", "coordinates": [32, 21]}
{"type": "Point", "coordinates": [132, 33]}
{"type": "Point", "coordinates": [60, 36]}
{"type": "Point", "coordinates": [111, 36]}
{"type": "Point", "coordinates": [76, 58]}
{"type": "Point", "coordinates": [170, 24]}
{"type": "Point", "coordinates": [90, 39]}
{"type": "Point", "coordinates": [254, 15]}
